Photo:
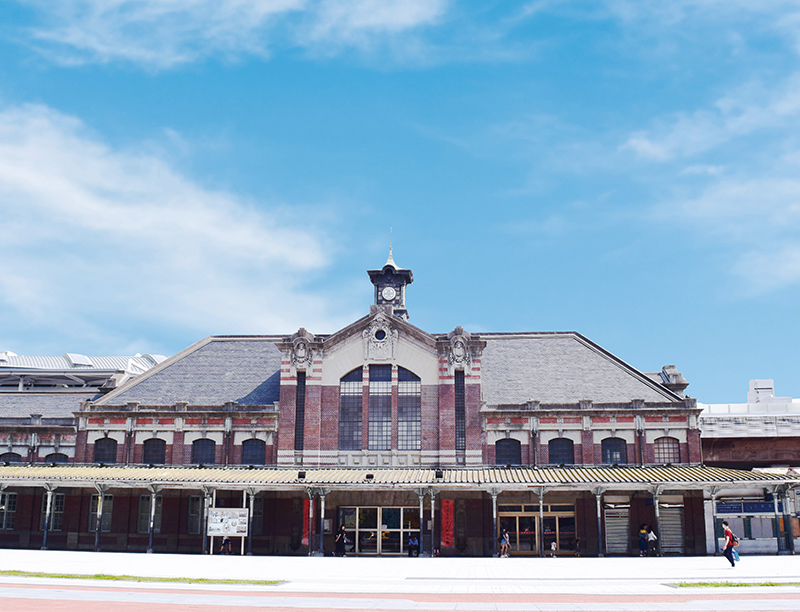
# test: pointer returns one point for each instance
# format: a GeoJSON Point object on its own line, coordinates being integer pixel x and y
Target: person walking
{"type": "Point", "coordinates": [730, 542]}
{"type": "Point", "coordinates": [505, 543]}
{"type": "Point", "coordinates": [340, 541]}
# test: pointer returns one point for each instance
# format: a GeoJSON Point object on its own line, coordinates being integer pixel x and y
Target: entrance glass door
{"type": "Point", "coordinates": [522, 523]}
{"type": "Point", "coordinates": [380, 531]}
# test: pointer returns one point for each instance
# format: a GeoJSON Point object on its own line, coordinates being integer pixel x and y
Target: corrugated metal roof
{"type": "Point", "coordinates": [357, 478]}
{"type": "Point", "coordinates": [74, 361]}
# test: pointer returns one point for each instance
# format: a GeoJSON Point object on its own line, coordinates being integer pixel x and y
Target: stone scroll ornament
{"type": "Point", "coordinates": [380, 340]}
{"type": "Point", "coordinates": [459, 353]}
{"type": "Point", "coordinates": [301, 355]}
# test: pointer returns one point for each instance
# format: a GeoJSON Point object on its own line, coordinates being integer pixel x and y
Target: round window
{"type": "Point", "coordinates": [380, 334]}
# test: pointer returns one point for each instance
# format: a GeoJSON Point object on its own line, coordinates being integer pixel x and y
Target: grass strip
{"type": "Point", "coordinates": [736, 584]}
{"type": "Point", "coordinates": [127, 578]}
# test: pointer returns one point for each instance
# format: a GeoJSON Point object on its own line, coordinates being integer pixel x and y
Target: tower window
{"type": "Point", "coordinates": [300, 412]}
{"type": "Point", "coordinates": [461, 420]}
{"type": "Point", "coordinates": [380, 407]}
{"type": "Point", "coordinates": [350, 409]}
{"type": "Point", "coordinates": [409, 410]}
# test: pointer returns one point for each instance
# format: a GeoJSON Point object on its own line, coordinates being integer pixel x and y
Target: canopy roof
{"type": "Point", "coordinates": [299, 478]}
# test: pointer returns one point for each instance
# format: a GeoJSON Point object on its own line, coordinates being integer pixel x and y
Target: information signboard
{"type": "Point", "coordinates": [227, 522]}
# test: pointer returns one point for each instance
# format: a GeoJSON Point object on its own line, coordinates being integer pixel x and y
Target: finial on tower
{"type": "Point", "coordinates": [390, 261]}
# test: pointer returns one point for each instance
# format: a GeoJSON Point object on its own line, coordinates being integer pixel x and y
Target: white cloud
{"type": "Point", "coordinates": [91, 234]}
{"type": "Point", "coordinates": [164, 33]}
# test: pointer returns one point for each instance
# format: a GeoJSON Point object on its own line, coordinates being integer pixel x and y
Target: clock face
{"type": "Point", "coordinates": [388, 293]}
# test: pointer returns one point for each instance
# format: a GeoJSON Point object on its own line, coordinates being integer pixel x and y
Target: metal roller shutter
{"type": "Point", "coordinates": [617, 530]}
{"type": "Point", "coordinates": [671, 527]}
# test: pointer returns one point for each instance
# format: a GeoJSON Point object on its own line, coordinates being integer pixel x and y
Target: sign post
{"type": "Point", "coordinates": [231, 522]}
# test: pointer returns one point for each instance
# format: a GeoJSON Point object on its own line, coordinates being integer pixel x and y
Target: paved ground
{"type": "Point", "coordinates": [423, 584]}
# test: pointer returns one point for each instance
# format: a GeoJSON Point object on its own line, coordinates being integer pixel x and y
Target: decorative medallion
{"type": "Point", "coordinates": [380, 339]}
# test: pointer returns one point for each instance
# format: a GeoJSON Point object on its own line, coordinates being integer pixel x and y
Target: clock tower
{"type": "Point", "coordinates": [390, 286]}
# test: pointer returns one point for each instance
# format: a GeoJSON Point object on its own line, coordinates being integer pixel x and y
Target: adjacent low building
{"type": "Point", "coordinates": [762, 433]}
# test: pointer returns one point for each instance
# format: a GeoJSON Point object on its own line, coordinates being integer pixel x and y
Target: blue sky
{"type": "Point", "coordinates": [628, 169]}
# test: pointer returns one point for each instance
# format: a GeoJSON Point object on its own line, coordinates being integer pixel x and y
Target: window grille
{"type": "Point", "coordinates": [154, 451]}
{"type": "Point", "coordinates": [561, 450]}
{"type": "Point", "coordinates": [254, 452]}
{"type": "Point", "coordinates": [300, 412]}
{"type": "Point", "coordinates": [56, 512]}
{"type": "Point", "coordinates": [203, 451]}
{"type": "Point", "coordinates": [8, 510]}
{"type": "Point", "coordinates": [10, 458]}
{"type": "Point", "coordinates": [667, 450]}
{"type": "Point", "coordinates": [105, 450]}
{"type": "Point", "coordinates": [195, 514]}
{"type": "Point", "coordinates": [143, 522]}
{"type": "Point", "coordinates": [56, 458]}
{"type": "Point", "coordinates": [108, 504]}
{"type": "Point", "coordinates": [508, 451]}
{"type": "Point", "coordinates": [258, 516]}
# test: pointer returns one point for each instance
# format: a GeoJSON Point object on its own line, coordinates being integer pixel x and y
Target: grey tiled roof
{"type": "Point", "coordinates": [245, 370]}
{"type": "Point", "coordinates": [559, 368]}
{"type": "Point", "coordinates": [49, 405]}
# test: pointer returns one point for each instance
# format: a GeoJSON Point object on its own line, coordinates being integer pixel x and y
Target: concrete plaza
{"type": "Point", "coordinates": [616, 583]}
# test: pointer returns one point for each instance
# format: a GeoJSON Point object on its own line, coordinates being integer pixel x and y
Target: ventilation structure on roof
{"type": "Point", "coordinates": [78, 360]}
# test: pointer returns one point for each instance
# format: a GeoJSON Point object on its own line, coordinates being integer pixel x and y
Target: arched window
{"type": "Point", "coordinates": [350, 408]}
{"type": "Point", "coordinates": [105, 450]}
{"type": "Point", "coordinates": [154, 451]}
{"type": "Point", "coordinates": [561, 450]}
{"type": "Point", "coordinates": [56, 458]}
{"type": "Point", "coordinates": [614, 450]}
{"type": "Point", "coordinates": [203, 451]}
{"type": "Point", "coordinates": [10, 458]}
{"type": "Point", "coordinates": [667, 450]}
{"type": "Point", "coordinates": [254, 452]}
{"type": "Point", "coordinates": [409, 410]}
{"type": "Point", "coordinates": [507, 452]}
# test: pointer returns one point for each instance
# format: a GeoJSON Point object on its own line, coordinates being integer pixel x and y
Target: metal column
{"type": "Point", "coordinates": [153, 490]}
{"type": "Point", "coordinates": [48, 510]}
{"type": "Point", "coordinates": [598, 494]}
{"type": "Point", "coordinates": [494, 522]}
{"type": "Point", "coordinates": [321, 522]}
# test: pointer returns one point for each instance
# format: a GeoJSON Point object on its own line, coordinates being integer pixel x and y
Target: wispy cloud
{"type": "Point", "coordinates": [160, 34]}
{"type": "Point", "coordinates": [96, 232]}
{"type": "Point", "coordinates": [752, 109]}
